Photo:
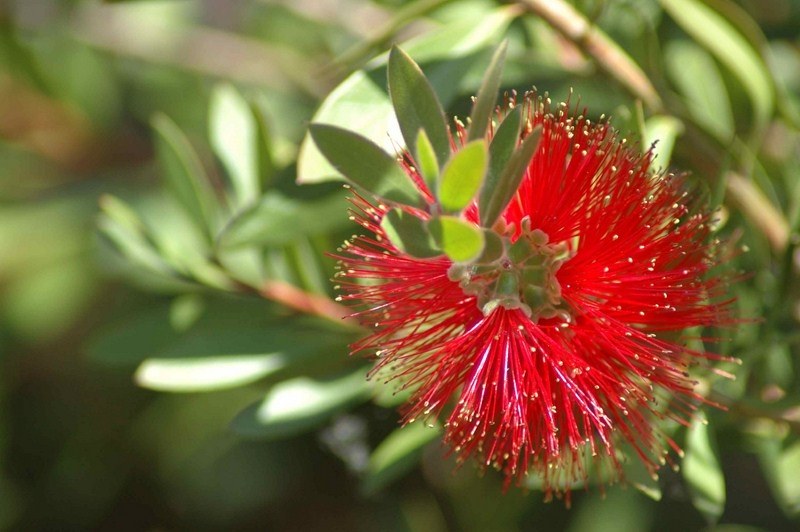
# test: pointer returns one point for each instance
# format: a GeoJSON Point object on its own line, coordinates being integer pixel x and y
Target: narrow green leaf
{"type": "Point", "coordinates": [416, 105]}
{"type": "Point", "coordinates": [205, 374]}
{"type": "Point", "coordinates": [124, 230]}
{"type": "Point", "coordinates": [786, 480]}
{"type": "Point", "coordinates": [662, 130]}
{"type": "Point", "coordinates": [233, 132]}
{"type": "Point", "coordinates": [702, 471]}
{"type": "Point", "coordinates": [505, 141]}
{"type": "Point", "coordinates": [365, 164]}
{"type": "Point", "coordinates": [396, 455]}
{"type": "Point", "coordinates": [426, 160]}
{"type": "Point", "coordinates": [487, 95]}
{"type": "Point", "coordinates": [302, 404]}
{"type": "Point", "coordinates": [698, 77]}
{"type": "Point", "coordinates": [732, 49]}
{"type": "Point", "coordinates": [277, 220]}
{"type": "Point", "coordinates": [497, 193]}
{"type": "Point", "coordinates": [264, 147]}
{"type": "Point", "coordinates": [463, 175]}
{"type": "Point", "coordinates": [459, 239]}
{"type": "Point", "coordinates": [185, 174]}
{"type": "Point", "coordinates": [409, 234]}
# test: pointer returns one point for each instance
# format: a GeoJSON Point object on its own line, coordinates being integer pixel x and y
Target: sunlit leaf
{"type": "Point", "coordinates": [234, 135]}
{"type": "Point", "coordinates": [428, 164]}
{"type": "Point", "coordinates": [702, 471]}
{"type": "Point", "coordinates": [462, 241]}
{"type": "Point", "coordinates": [463, 175]}
{"type": "Point", "coordinates": [361, 102]}
{"type": "Point", "coordinates": [660, 132]}
{"type": "Point", "coordinates": [697, 76]}
{"type": "Point", "coordinates": [298, 405]}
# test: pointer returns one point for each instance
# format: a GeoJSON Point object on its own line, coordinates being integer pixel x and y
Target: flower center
{"type": "Point", "coordinates": [522, 277]}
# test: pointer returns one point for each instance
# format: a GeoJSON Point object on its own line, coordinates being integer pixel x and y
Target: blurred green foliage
{"type": "Point", "coordinates": [165, 218]}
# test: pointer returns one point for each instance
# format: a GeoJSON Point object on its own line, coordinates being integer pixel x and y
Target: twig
{"type": "Point", "coordinates": [292, 297]}
{"type": "Point", "coordinates": [595, 43]}
{"type": "Point", "coordinates": [759, 210]}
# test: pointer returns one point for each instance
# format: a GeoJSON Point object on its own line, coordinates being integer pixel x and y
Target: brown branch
{"type": "Point", "coordinates": [758, 209]}
{"type": "Point", "coordinates": [595, 43]}
{"type": "Point", "coordinates": [316, 305]}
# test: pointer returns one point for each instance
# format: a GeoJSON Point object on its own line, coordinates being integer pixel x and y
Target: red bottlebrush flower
{"type": "Point", "coordinates": [554, 355]}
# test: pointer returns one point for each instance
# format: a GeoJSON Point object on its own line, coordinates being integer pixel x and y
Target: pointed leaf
{"type": "Point", "coordinates": [299, 405]}
{"type": "Point", "coordinates": [702, 471]}
{"type": "Point", "coordinates": [365, 164]}
{"type": "Point", "coordinates": [504, 142]}
{"type": "Point", "coordinates": [449, 50]}
{"type": "Point", "coordinates": [662, 130]}
{"type": "Point", "coordinates": [459, 239]}
{"type": "Point", "coordinates": [396, 455]}
{"type": "Point", "coordinates": [185, 174]}
{"type": "Point", "coordinates": [233, 132]}
{"type": "Point", "coordinates": [463, 175]}
{"type": "Point", "coordinates": [416, 105]}
{"type": "Point", "coordinates": [205, 374]}
{"type": "Point", "coordinates": [277, 220]}
{"type": "Point", "coordinates": [487, 95]}
{"type": "Point", "coordinates": [426, 161]}
{"type": "Point", "coordinates": [698, 77]}
{"type": "Point", "coordinates": [409, 234]}
{"type": "Point", "coordinates": [127, 233]}
{"type": "Point", "coordinates": [497, 192]}
{"type": "Point", "coordinates": [731, 48]}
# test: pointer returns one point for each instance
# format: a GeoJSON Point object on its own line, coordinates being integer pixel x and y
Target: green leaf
{"type": "Point", "coordinates": [697, 76]}
{"type": "Point", "coordinates": [786, 479]}
{"type": "Point", "coordinates": [504, 142]}
{"type": "Point", "coordinates": [426, 161]}
{"type": "Point", "coordinates": [361, 102]}
{"type": "Point", "coordinates": [416, 105]}
{"type": "Point", "coordinates": [365, 164]}
{"type": "Point", "coordinates": [299, 405]}
{"type": "Point", "coordinates": [493, 247]}
{"type": "Point", "coordinates": [409, 234]}
{"type": "Point", "coordinates": [662, 130]}
{"type": "Point", "coordinates": [702, 472]}
{"type": "Point", "coordinates": [484, 104]}
{"type": "Point", "coordinates": [277, 220]}
{"type": "Point", "coordinates": [124, 230]}
{"type": "Point", "coordinates": [205, 374]}
{"type": "Point", "coordinates": [462, 241]}
{"type": "Point", "coordinates": [185, 174]}
{"type": "Point", "coordinates": [500, 187]}
{"type": "Point", "coordinates": [233, 133]}
{"type": "Point", "coordinates": [732, 49]}
{"type": "Point", "coordinates": [463, 175]}
{"type": "Point", "coordinates": [397, 455]}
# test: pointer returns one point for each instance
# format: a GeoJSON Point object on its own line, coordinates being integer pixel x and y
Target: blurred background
{"type": "Point", "coordinates": [170, 353]}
